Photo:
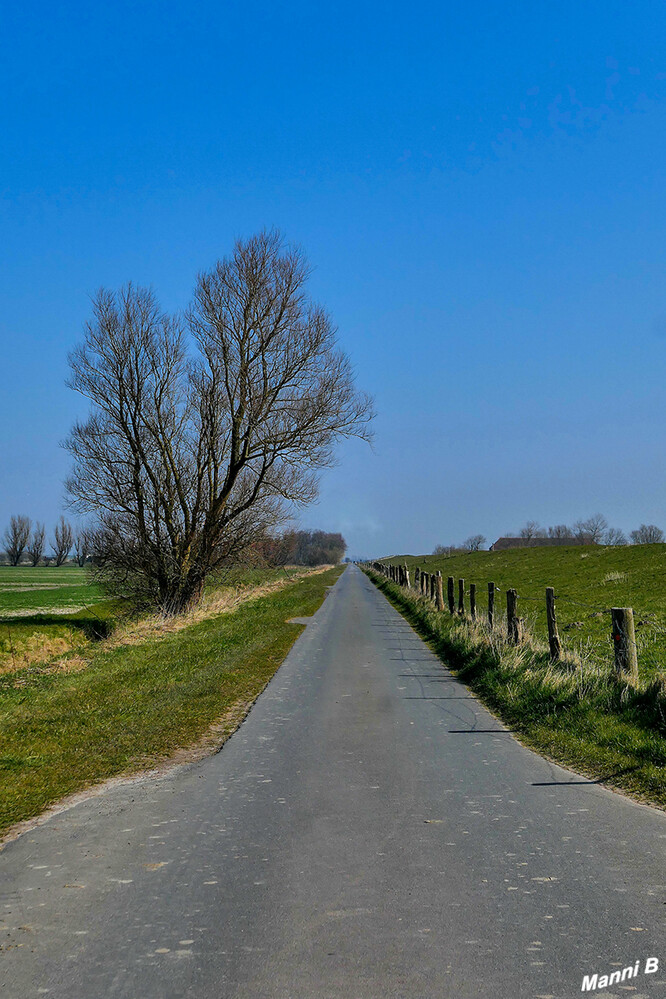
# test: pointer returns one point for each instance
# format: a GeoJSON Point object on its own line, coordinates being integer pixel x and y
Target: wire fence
{"type": "Point", "coordinates": [608, 627]}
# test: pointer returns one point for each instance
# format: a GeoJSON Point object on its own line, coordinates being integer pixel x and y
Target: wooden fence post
{"type": "Point", "coordinates": [491, 605]}
{"type": "Point", "coordinates": [450, 583]}
{"type": "Point", "coordinates": [472, 601]}
{"type": "Point", "coordinates": [553, 637]}
{"type": "Point", "coordinates": [512, 626]}
{"type": "Point", "coordinates": [424, 577]}
{"type": "Point", "coordinates": [440, 592]}
{"type": "Point", "coordinates": [417, 578]}
{"type": "Point", "coordinates": [433, 587]}
{"type": "Point", "coordinates": [624, 640]}
{"type": "Point", "coordinates": [407, 583]}
{"type": "Point", "coordinates": [461, 596]}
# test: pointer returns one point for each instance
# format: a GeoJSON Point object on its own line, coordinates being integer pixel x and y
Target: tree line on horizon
{"type": "Point", "coordinates": [23, 541]}
{"type": "Point", "coordinates": [595, 531]}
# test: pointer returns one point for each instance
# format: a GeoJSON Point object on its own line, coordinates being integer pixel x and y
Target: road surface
{"type": "Point", "coordinates": [370, 831]}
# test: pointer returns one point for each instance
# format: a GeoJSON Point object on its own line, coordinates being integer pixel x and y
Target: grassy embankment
{"type": "Point", "coordinates": [575, 711]}
{"type": "Point", "coordinates": [127, 701]}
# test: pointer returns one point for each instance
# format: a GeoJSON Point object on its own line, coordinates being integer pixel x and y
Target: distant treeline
{"type": "Point", "coordinates": [593, 531]}
{"type": "Point", "coordinates": [304, 548]}
{"type": "Point", "coordinates": [25, 544]}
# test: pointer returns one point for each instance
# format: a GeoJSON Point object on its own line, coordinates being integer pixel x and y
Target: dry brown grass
{"type": "Point", "coordinates": [40, 648]}
{"type": "Point", "coordinates": [222, 601]}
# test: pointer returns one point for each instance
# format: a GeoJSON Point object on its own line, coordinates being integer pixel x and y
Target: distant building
{"type": "Point", "coordinates": [503, 543]}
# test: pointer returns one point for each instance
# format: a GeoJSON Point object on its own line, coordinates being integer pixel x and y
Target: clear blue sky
{"type": "Point", "coordinates": [480, 187]}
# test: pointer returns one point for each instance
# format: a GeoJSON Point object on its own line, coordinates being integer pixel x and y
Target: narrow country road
{"type": "Point", "coordinates": [369, 832]}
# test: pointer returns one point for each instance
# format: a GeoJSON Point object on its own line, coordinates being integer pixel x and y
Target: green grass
{"type": "Point", "coordinates": [134, 705]}
{"type": "Point", "coordinates": [24, 589]}
{"type": "Point", "coordinates": [612, 731]}
{"type": "Point", "coordinates": [588, 581]}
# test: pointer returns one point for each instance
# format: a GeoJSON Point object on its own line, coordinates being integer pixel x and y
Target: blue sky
{"type": "Point", "coordinates": [480, 188]}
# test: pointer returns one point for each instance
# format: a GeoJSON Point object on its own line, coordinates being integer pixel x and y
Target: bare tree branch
{"type": "Point", "coordinates": [647, 534]}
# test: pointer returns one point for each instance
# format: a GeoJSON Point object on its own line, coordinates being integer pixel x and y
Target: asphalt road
{"type": "Point", "coordinates": [369, 832]}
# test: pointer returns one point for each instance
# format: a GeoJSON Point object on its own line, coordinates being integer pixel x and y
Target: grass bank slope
{"type": "Point", "coordinates": [135, 704]}
{"type": "Point", "coordinates": [578, 715]}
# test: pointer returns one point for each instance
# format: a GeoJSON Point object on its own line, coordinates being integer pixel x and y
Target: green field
{"type": "Point", "coordinates": [588, 581]}
{"type": "Point", "coordinates": [129, 705]}
{"type": "Point", "coordinates": [45, 590]}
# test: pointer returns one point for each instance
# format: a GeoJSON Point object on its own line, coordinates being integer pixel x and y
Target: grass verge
{"type": "Point", "coordinates": [611, 731]}
{"type": "Point", "coordinates": [135, 705]}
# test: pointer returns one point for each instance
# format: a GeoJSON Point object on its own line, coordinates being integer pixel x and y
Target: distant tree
{"type": "Point", "coordinates": [63, 539]}
{"type": "Point", "coordinates": [311, 548]}
{"type": "Point", "coordinates": [560, 531]}
{"type": "Point", "coordinates": [614, 536]}
{"type": "Point", "coordinates": [83, 543]}
{"type": "Point", "coordinates": [647, 534]}
{"type": "Point", "coordinates": [591, 530]}
{"type": "Point", "coordinates": [16, 538]}
{"type": "Point", "coordinates": [36, 545]}
{"type": "Point", "coordinates": [445, 549]}
{"type": "Point", "coordinates": [206, 431]}
{"type": "Point", "coordinates": [474, 543]}
{"type": "Point", "coordinates": [531, 530]}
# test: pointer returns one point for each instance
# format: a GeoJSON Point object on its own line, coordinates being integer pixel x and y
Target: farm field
{"type": "Point", "coordinates": [27, 590]}
{"type": "Point", "coordinates": [588, 581]}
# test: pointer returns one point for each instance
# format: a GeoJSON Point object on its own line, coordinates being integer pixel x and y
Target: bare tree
{"type": "Point", "coordinates": [188, 461]}
{"type": "Point", "coordinates": [36, 545]}
{"type": "Point", "coordinates": [614, 536]}
{"type": "Point", "coordinates": [83, 542]}
{"type": "Point", "coordinates": [531, 530]}
{"type": "Point", "coordinates": [560, 531]}
{"type": "Point", "coordinates": [16, 538]}
{"type": "Point", "coordinates": [474, 543]}
{"type": "Point", "coordinates": [63, 539]}
{"type": "Point", "coordinates": [592, 530]}
{"type": "Point", "coordinates": [647, 534]}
